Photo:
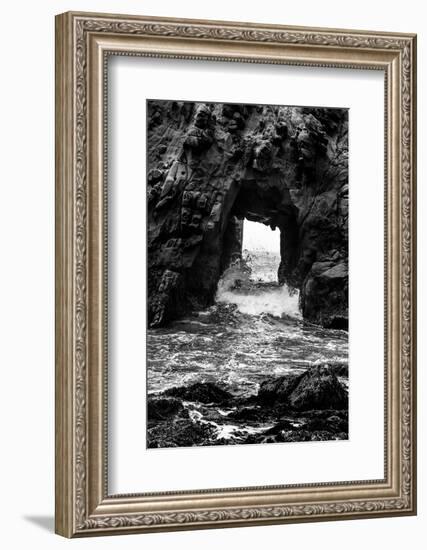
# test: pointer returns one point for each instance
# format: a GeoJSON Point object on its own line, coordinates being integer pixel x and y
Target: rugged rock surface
{"type": "Point", "coordinates": [317, 388]}
{"type": "Point", "coordinates": [160, 408]}
{"type": "Point", "coordinates": [310, 406]}
{"type": "Point", "coordinates": [212, 165]}
{"type": "Point", "coordinates": [179, 432]}
{"type": "Point", "coordinates": [278, 389]}
{"type": "Point", "coordinates": [206, 392]}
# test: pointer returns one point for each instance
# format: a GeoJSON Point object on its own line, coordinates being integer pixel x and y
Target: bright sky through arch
{"type": "Point", "coordinates": [257, 236]}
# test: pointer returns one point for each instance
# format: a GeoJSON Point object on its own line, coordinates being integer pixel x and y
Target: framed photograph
{"type": "Point", "coordinates": [235, 274]}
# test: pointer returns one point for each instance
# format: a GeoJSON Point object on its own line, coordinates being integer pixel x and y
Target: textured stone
{"type": "Point", "coordinates": [212, 165]}
{"type": "Point", "coordinates": [279, 388]}
{"type": "Point", "coordinates": [204, 392]}
{"type": "Point", "coordinates": [160, 408]}
{"type": "Point", "coordinates": [318, 388]}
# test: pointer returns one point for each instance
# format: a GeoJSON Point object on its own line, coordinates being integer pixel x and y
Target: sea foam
{"type": "Point", "coordinates": [252, 298]}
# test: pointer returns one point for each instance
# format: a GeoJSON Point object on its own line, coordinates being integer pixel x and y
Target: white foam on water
{"type": "Point", "coordinates": [237, 287]}
{"type": "Point", "coordinates": [276, 301]}
{"type": "Point", "coordinates": [254, 331]}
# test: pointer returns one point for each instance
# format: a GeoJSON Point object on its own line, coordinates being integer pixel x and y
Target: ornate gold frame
{"type": "Point", "coordinates": [83, 506]}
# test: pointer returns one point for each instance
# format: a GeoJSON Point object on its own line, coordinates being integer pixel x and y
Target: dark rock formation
{"type": "Point", "coordinates": [212, 165]}
{"type": "Point", "coordinates": [310, 406]}
{"type": "Point", "coordinates": [317, 388]}
{"type": "Point", "coordinates": [278, 389]}
{"type": "Point", "coordinates": [204, 392]}
{"type": "Point", "coordinates": [179, 432]}
{"type": "Point", "coordinates": [338, 368]}
{"type": "Point", "coordinates": [161, 408]}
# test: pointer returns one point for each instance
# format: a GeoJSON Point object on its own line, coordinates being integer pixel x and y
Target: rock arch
{"type": "Point", "coordinates": [211, 165]}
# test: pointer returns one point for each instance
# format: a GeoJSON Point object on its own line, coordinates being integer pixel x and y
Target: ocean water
{"type": "Point", "coordinates": [253, 331]}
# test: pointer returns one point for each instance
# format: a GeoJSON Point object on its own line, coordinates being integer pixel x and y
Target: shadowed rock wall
{"type": "Point", "coordinates": [212, 165]}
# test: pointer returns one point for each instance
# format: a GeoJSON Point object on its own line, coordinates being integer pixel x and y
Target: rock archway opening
{"type": "Point", "coordinates": [261, 251]}
{"type": "Point", "coordinates": [250, 282]}
{"type": "Point", "coordinates": [212, 166]}
{"type": "Point", "coordinates": [262, 226]}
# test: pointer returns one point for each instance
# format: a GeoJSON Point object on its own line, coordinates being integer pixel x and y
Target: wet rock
{"type": "Point", "coordinates": [281, 426]}
{"type": "Point", "coordinates": [286, 167]}
{"type": "Point", "coordinates": [325, 295]}
{"type": "Point", "coordinates": [298, 407]}
{"type": "Point", "coordinates": [325, 413]}
{"type": "Point", "coordinates": [160, 408]}
{"type": "Point", "coordinates": [318, 388]}
{"type": "Point", "coordinates": [180, 433]}
{"type": "Point", "coordinates": [278, 389]}
{"type": "Point", "coordinates": [293, 435]}
{"type": "Point", "coordinates": [248, 414]}
{"type": "Point", "coordinates": [339, 369]}
{"type": "Point", "coordinates": [333, 424]}
{"type": "Point", "coordinates": [203, 392]}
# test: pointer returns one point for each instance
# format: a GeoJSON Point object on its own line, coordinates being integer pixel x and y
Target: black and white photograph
{"type": "Point", "coordinates": [247, 274]}
{"type": "Point", "coordinates": [213, 263]}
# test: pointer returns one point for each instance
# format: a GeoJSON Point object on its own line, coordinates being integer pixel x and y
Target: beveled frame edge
{"type": "Point", "coordinates": [82, 505]}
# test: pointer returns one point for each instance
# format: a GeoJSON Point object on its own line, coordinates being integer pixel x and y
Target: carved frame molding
{"type": "Point", "coordinates": [83, 506]}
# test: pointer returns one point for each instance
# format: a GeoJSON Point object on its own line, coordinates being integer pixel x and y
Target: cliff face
{"type": "Point", "coordinates": [212, 165]}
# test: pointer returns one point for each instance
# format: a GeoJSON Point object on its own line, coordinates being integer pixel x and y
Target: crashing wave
{"type": "Point", "coordinates": [251, 297]}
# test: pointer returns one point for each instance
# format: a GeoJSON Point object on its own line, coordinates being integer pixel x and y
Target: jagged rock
{"type": "Point", "coordinates": [179, 433]}
{"type": "Point", "coordinates": [311, 406]}
{"type": "Point", "coordinates": [212, 165]}
{"type": "Point", "coordinates": [278, 388]}
{"type": "Point", "coordinates": [204, 392]}
{"type": "Point", "coordinates": [318, 388]}
{"type": "Point", "coordinates": [325, 294]}
{"type": "Point", "coordinates": [339, 369]}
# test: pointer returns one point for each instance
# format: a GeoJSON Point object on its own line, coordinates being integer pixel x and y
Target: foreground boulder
{"type": "Point", "coordinates": [317, 388]}
{"type": "Point", "coordinates": [278, 389]}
